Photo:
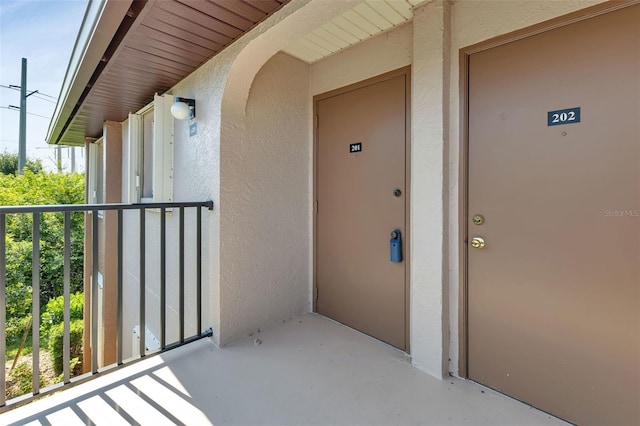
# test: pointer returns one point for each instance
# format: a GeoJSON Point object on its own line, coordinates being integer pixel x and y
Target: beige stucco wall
{"type": "Point", "coordinates": [266, 215]}
{"type": "Point", "coordinates": [232, 116]}
{"type": "Point", "coordinates": [237, 128]}
{"type": "Point", "coordinates": [428, 180]}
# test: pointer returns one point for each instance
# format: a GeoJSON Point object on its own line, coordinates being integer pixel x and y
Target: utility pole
{"type": "Point", "coordinates": [73, 159]}
{"type": "Point", "coordinates": [59, 158]}
{"type": "Point", "coordinates": [22, 140]}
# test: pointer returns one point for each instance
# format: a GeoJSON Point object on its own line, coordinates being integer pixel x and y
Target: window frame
{"type": "Point", "coordinates": [161, 157]}
{"type": "Point", "coordinates": [96, 172]}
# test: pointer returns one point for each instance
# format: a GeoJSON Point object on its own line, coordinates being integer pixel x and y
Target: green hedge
{"type": "Point", "coordinates": [56, 345]}
{"type": "Point", "coordinates": [54, 312]}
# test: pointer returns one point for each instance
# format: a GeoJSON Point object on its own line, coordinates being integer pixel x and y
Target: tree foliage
{"type": "Point", "coordinates": [53, 314]}
{"type": "Point", "coordinates": [9, 164]}
{"type": "Point", "coordinates": [39, 189]}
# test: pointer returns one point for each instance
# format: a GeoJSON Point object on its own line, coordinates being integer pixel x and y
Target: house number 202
{"type": "Point", "coordinates": [563, 116]}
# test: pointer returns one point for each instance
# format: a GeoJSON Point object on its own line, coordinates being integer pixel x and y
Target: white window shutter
{"type": "Point", "coordinates": [135, 137]}
{"type": "Point", "coordinates": [93, 175]}
{"type": "Point", "coordinates": [163, 148]}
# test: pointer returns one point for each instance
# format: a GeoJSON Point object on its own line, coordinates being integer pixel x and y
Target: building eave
{"type": "Point", "coordinates": [100, 23]}
{"type": "Point", "coordinates": [128, 50]}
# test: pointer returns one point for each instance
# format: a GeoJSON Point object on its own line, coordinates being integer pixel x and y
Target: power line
{"type": "Point", "coordinates": [36, 94]}
{"type": "Point", "coordinates": [14, 87]}
{"type": "Point", "coordinates": [15, 108]}
{"type": "Point", "coordinates": [31, 141]}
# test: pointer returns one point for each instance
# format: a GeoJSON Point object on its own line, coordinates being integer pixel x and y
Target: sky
{"type": "Point", "coordinates": [44, 32]}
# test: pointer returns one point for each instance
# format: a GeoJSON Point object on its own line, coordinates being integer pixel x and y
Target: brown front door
{"type": "Point", "coordinates": [361, 195]}
{"type": "Point", "coordinates": [554, 294]}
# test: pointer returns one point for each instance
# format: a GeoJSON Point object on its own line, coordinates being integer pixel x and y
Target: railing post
{"type": "Point", "coordinates": [199, 269]}
{"type": "Point", "coordinates": [181, 286]}
{"type": "Point", "coordinates": [143, 326]}
{"type": "Point", "coordinates": [66, 357]}
{"type": "Point", "coordinates": [163, 279]}
{"type": "Point", "coordinates": [3, 309]}
{"type": "Point", "coordinates": [94, 292]}
{"type": "Point", "coordinates": [35, 305]}
{"type": "Point", "coordinates": [119, 312]}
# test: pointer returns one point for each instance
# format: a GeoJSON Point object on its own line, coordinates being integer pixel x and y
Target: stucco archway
{"type": "Point", "coordinates": [256, 218]}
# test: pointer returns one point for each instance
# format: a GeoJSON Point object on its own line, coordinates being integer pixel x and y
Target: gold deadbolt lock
{"type": "Point", "coordinates": [477, 242]}
{"type": "Point", "coordinates": [478, 219]}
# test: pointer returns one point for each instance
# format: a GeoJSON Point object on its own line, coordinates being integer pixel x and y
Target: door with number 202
{"type": "Point", "coordinates": [554, 219]}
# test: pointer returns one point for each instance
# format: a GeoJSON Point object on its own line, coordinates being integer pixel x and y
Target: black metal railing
{"type": "Point", "coordinates": [67, 211]}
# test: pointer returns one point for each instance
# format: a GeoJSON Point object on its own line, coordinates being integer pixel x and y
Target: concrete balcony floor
{"type": "Point", "coordinates": [309, 370]}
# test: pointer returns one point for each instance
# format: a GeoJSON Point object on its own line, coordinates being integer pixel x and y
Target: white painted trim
{"type": "Point", "coordinates": [162, 156]}
{"type": "Point", "coordinates": [145, 108]}
{"type": "Point", "coordinates": [162, 148]}
{"type": "Point", "coordinates": [135, 134]}
{"type": "Point", "coordinates": [93, 171]}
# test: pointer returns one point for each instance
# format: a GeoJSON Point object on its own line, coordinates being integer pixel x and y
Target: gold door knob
{"type": "Point", "coordinates": [477, 242]}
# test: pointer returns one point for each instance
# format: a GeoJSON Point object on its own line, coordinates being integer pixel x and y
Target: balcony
{"type": "Point", "coordinates": [142, 288]}
{"type": "Point", "coordinates": [309, 370]}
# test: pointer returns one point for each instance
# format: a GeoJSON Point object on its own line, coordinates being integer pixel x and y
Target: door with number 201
{"type": "Point", "coordinates": [361, 195]}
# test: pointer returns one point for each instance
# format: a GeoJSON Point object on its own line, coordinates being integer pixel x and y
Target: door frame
{"type": "Point", "coordinates": [406, 71]}
{"type": "Point", "coordinates": [463, 177]}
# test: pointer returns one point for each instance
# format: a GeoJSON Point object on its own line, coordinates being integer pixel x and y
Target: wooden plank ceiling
{"type": "Point", "coordinates": [365, 20]}
{"type": "Point", "coordinates": [157, 45]}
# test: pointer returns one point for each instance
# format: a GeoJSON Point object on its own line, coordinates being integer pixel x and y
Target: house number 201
{"type": "Point", "coordinates": [563, 116]}
{"type": "Point", "coordinates": [355, 147]}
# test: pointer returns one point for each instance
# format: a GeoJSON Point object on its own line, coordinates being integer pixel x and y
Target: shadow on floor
{"type": "Point", "coordinates": [309, 370]}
